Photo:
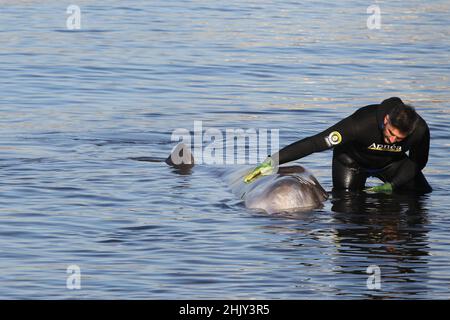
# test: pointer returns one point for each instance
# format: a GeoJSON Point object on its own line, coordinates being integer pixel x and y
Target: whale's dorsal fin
{"type": "Point", "coordinates": [181, 157]}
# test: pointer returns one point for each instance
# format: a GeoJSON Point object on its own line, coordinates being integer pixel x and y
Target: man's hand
{"type": "Point", "coordinates": [387, 188]}
{"type": "Point", "coordinates": [263, 169]}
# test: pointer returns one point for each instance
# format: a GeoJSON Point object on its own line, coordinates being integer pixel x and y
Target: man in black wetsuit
{"type": "Point", "coordinates": [373, 141]}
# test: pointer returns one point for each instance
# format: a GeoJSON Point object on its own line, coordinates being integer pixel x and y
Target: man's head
{"type": "Point", "coordinates": [399, 123]}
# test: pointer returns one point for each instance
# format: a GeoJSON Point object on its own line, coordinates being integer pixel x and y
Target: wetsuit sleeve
{"type": "Point", "coordinates": [405, 173]}
{"type": "Point", "coordinates": [341, 132]}
{"type": "Point", "coordinates": [418, 158]}
{"type": "Point", "coordinates": [419, 152]}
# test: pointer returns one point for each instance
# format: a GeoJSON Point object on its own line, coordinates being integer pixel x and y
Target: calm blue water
{"type": "Point", "coordinates": [76, 106]}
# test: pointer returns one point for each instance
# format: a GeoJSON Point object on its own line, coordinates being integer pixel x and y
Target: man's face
{"type": "Point", "coordinates": [392, 134]}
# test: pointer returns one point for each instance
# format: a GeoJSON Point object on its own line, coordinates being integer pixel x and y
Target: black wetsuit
{"type": "Point", "coordinates": [360, 151]}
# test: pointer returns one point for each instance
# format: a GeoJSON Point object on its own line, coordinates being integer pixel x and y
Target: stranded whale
{"type": "Point", "coordinates": [292, 188]}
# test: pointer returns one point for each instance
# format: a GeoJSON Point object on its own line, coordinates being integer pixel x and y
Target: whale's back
{"type": "Point", "coordinates": [292, 189]}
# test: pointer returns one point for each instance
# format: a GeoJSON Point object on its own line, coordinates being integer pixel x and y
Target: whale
{"type": "Point", "coordinates": [291, 189]}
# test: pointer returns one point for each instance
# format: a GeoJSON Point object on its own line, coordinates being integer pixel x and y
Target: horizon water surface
{"type": "Point", "coordinates": [79, 106]}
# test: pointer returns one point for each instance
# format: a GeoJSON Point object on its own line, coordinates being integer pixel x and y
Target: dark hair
{"type": "Point", "coordinates": [404, 118]}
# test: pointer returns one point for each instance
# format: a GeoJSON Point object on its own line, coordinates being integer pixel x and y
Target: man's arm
{"type": "Point", "coordinates": [418, 158]}
{"type": "Point", "coordinates": [419, 151]}
{"type": "Point", "coordinates": [341, 132]}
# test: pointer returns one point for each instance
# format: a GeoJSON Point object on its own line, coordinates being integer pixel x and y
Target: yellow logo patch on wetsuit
{"type": "Point", "coordinates": [334, 138]}
{"type": "Point", "coordinates": [385, 147]}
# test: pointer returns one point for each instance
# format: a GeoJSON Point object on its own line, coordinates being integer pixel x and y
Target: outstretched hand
{"type": "Point", "coordinates": [263, 169]}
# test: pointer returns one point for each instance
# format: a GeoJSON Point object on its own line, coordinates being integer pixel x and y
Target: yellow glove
{"type": "Point", "coordinates": [263, 169]}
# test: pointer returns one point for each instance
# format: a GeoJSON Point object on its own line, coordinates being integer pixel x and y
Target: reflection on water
{"type": "Point", "coordinates": [362, 230]}
{"type": "Point", "coordinates": [387, 230]}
